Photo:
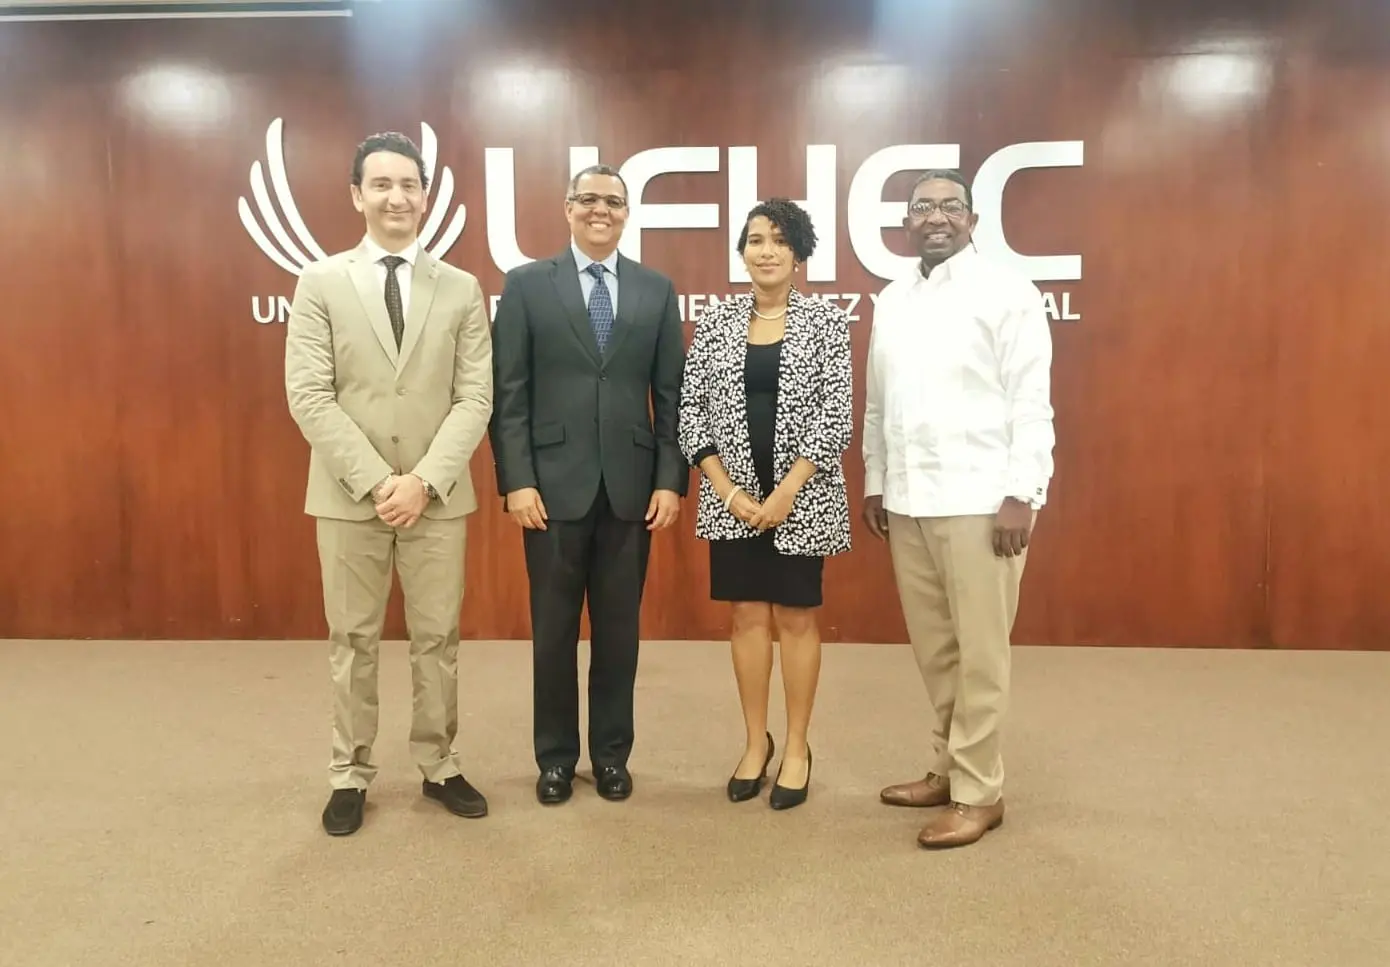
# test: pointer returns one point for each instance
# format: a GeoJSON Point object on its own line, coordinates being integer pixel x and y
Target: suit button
{"type": "Point", "coordinates": [395, 439]}
{"type": "Point", "coordinates": [400, 391]}
{"type": "Point", "coordinates": [603, 377]}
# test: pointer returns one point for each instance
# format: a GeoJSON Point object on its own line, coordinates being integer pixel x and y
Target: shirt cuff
{"type": "Point", "coordinates": [1026, 491]}
{"type": "Point", "coordinates": [873, 483]}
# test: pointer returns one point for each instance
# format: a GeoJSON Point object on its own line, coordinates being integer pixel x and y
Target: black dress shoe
{"type": "Point", "coordinates": [784, 798]}
{"type": "Point", "coordinates": [741, 790]}
{"type": "Point", "coordinates": [614, 782]}
{"type": "Point", "coordinates": [343, 814]}
{"type": "Point", "coordinates": [555, 785]}
{"type": "Point", "coordinates": [458, 796]}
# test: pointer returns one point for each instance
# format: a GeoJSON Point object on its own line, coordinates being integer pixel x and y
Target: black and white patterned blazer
{"type": "Point", "coordinates": [814, 419]}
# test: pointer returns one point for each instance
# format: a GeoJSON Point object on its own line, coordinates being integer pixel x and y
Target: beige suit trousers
{"type": "Point", "coordinates": [959, 601]}
{"type": "Point", "coordinates": [357, 558]}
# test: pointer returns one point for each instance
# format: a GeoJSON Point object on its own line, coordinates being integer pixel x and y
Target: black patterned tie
{"type": "Point", "coordinates": [393, 297]}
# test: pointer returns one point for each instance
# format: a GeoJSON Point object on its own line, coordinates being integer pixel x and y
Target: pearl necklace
{"type": "Point", "coordinates": [775, 315]}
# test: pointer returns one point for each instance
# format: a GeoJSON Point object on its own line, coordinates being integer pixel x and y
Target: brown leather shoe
{"type": "Point", "coordinates": [934, 790]}
{"type": "Point", "coordinates": [961, 825]}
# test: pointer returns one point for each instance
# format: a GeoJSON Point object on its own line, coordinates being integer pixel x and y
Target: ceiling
{"type": "Point", "coordinates": [79, 4]}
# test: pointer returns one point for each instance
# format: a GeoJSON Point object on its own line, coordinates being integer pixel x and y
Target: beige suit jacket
{"type": "Point", "coordinates": [368, 410]}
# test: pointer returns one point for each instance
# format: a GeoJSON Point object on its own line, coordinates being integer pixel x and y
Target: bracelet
{"type": "Point", "coordinates": [729, 500]}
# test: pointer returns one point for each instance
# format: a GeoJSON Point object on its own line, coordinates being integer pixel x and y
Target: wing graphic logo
{"type": "Point", "coordinates": [293, 248]}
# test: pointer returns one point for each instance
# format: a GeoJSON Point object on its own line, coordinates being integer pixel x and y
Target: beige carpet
{"type": "Point", "coordinates": [160, 807]}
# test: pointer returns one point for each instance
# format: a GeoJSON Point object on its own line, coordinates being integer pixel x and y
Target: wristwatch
{"type": "Point", "coordinates": [430, 492]}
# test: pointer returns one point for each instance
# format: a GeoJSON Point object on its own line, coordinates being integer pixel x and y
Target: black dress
{"type": "Point", "coordinates": [751, 568]}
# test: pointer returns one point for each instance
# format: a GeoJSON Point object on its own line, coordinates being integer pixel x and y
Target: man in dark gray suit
{"type": "Point", "coordinates": [588, 357]}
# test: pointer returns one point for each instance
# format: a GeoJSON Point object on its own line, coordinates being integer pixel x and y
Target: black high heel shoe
{"type": "Point", "coordinates": [784, 798]}
{"type": "Point", "coordinates": [741, 790]}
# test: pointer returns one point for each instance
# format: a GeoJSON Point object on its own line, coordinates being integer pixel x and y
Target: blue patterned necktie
{"type": "Point", "coordinates": [600, 307]}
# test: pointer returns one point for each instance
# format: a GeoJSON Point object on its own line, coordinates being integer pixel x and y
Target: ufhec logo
{"type": "Point", "coordinates": [294, 258]}
{"type": "Point", "coordinates": [867, 214]}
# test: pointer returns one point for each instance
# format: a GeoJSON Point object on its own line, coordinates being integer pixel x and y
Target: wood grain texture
{"type": "Point", "coordinates": [1220, 450]}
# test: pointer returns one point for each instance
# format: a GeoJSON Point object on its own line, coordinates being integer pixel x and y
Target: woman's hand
{"type": "Point", "coordinates": [744, 507]}
{"type": "Point", "coordinates": [775, 509]}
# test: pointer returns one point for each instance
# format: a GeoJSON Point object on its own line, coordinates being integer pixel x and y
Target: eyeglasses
{"type": "Point", "coordinates": [591, 200]}
{"type": "Point", "coordinates": [923, 207]}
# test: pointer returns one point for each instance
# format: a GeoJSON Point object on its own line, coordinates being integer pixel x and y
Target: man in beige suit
{"type": "Point", "coordinates": [388, 371]}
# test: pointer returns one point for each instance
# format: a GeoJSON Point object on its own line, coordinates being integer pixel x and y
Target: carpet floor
{"type": "Point", "coordinates": [161, 801]}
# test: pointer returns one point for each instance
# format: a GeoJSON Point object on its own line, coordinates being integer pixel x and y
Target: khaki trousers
{"type": "Point", "coordinates": [959, 602]}
{"type": "Point", "coordinates": [357, 558]}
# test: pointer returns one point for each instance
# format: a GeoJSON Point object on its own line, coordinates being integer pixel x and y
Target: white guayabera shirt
{"type": "Point", "coordinates": [958, 413]}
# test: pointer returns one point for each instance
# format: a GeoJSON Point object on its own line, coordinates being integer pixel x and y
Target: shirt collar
{"type": "Point", "coordinates": [583, 261]}
{"type": "Point", "coordinates": [376, 253]}
{"type": "Point", "coordinates": [948, 270]}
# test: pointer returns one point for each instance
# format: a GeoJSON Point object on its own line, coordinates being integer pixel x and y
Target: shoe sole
{"type": "Point", "coordinates": [914, 805]}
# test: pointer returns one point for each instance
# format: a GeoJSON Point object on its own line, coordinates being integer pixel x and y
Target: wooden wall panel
{"type": "Point", "coordinates": [1219, 453]}
{"type": "Point", "coordinates": [1328, 442]}
{"type": "Point", "coordinates": [62, 526]}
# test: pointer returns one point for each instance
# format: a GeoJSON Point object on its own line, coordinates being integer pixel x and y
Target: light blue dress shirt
{"type": "Point", "coordinates": [586, 281]}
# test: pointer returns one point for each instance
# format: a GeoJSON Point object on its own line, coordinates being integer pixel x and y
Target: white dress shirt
{"type": "Point", "coordinates": [586, 281]}
{"type": "Point", "coordinates": [958, 413]}
{"type": "Point", "coordinates": [405, 272]}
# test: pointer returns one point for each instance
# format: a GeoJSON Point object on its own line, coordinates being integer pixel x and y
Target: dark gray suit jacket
{"type": "Point", "coordinates": [564, 417]}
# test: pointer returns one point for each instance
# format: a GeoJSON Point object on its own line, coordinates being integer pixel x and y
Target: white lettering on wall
{"type": "Point", "coordinates": [988, 188]}
{"type": "Point", "coordinates": [271, 308]}
{"type": "Point", "coordinates": [642, 168]}
{"type": "Point", "coordinates": [820, 203]}
{"type": "Point", "coordinates": [1056, 304]}
{"type": "Point", "coordinates": [867, 212]}
{"type": "Point", "coordinates": [499, 184]}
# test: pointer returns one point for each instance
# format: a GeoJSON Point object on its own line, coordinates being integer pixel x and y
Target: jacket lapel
{"type": "Point", "coordinates": [425, 280]}
{"type": "Point", "coordinates": [794, 326]}
{"type": "Point", "coordinates": [364, 280]}
{"type": "Point", "coordinates": [630, 292]}
{"type": "Point", "coordinates": [564, 275]}
{"type": "Point", "coordinates": [792, 376]}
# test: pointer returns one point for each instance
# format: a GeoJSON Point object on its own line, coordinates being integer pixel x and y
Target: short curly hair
{"type": "Point", "coordinates": [791, 218]}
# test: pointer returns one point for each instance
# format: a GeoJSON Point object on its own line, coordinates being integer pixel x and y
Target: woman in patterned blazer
{"type": "Point", "coordinates": [766, 415]}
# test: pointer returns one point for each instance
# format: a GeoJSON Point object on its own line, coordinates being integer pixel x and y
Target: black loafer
{"type": "Point", "coordinates": [614, 782]}
{"type": "Point", "coordinates": [343, 814]}
{"type": "Point", "coordinates": [458, 797]}
{"type": "Point", "coordinates": [555, 785]}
